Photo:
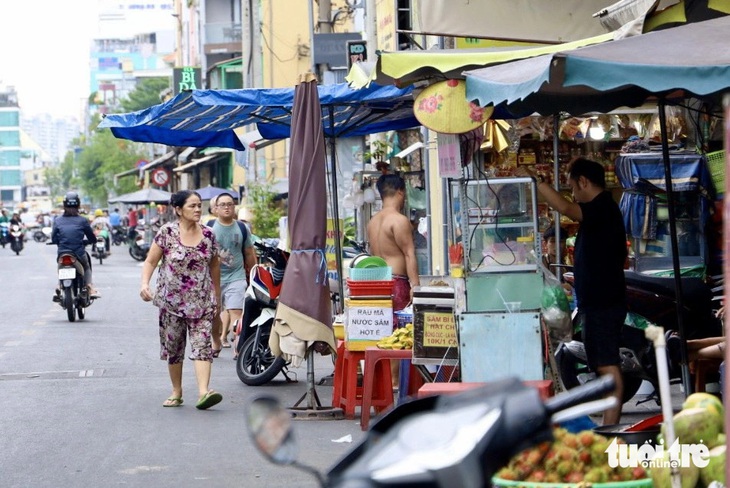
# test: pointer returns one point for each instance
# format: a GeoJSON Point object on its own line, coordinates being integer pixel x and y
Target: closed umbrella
{"type": "Point", "coordinates": [304, 319]}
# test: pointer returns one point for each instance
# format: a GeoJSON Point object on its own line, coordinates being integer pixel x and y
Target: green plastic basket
{"type": "Point", "coordinates": [716, 165]}
{"type": "Point", "coordinates": [642, 483]}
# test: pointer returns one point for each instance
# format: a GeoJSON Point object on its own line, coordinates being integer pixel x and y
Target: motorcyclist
{"type": "Point", "coordinates": [16, 220]}
{"type": "Point", "coordinates": [68, 234]}
{"type": "Point", "coordinates": [101, 222]}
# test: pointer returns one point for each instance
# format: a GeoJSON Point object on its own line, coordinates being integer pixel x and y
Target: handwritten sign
{"type": "Point", "coordinates": [439, 330]}
{"type": "Point", "coordinates": [368, 323]}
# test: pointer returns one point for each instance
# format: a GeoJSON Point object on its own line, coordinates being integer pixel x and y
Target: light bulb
{"type": "Point", "coordinates": [595, 131]}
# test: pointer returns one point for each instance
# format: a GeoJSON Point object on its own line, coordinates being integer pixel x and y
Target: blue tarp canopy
{"type": "Point", "coordinates": [205, 118]}
{"type": "Point", "coordinates": [693, 58]}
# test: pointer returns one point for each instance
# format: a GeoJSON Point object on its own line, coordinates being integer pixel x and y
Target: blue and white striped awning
{"type": "Point", "coordinates": [204, 118]}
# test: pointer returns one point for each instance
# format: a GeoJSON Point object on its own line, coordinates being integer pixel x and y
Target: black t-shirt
{"type": "Point", "coordinates": [600, 253]}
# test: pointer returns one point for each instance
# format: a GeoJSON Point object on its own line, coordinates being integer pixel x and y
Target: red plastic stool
{"type": "Point", "coordinates": [377, 390]}
{"type": "Point", "coordinates": [346, 394]}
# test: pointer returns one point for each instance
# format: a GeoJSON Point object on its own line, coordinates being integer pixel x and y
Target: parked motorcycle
{"type": "Point", "coordinates": [255, 364]}
{"type": "Point", "coordinates": [16, 238]}
{"type": "Point", "coordinates": [649, 299]}
{"type": "Point", "coordinates": [438, 441]}
{"type": "Point", "coordinates": [138, 246]}
{"type": "Point", "coordinates": [119, 235]}
{"type": "Point", "coordinates": [42, 234]}
{"type": "Point", "coordinates": [72, 294]}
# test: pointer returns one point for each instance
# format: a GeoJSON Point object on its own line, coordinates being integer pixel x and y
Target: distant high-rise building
{"type": "Point", "coordinates": [10, 150]}
{"type": "Point", "coordinates": [52, 134]}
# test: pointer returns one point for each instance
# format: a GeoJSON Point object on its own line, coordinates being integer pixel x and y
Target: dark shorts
{"type": "Point", "coordinates": [602, 334]}
{"type": "Point", "coordinates": [401, 292]}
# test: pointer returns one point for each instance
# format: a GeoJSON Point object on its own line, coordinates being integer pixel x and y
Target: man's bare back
{"type": "Point", "coordinates": [385, 230]}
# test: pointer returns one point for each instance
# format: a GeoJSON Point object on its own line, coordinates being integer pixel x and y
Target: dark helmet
{"type": "Point", "coordinates": [71, 199]}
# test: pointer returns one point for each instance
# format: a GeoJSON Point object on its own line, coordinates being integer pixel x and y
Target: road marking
{"type": "Point", "coordinates": [28, 332]}
{"type": "Point", "coordinates": [88, 373]}
{"type": "Point", "coordinates": [144, 469]}
{"type": "Point", "coordinates": [39, 323]}
{"type": "Point", "coordinates": [12, 343]}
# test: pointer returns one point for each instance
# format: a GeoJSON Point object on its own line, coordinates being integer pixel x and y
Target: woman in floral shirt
{"type": "Point", "coordinates": [188, 294]}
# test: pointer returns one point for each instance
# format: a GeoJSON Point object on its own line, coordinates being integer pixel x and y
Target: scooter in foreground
{"type": "Point", "coordinates": [440, 441]}
{"type": "Point", "coordinates": [72, 294]}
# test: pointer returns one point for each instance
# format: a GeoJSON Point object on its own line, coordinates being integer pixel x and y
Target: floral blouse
{"type": "Point", "coordinates": [184, 285]}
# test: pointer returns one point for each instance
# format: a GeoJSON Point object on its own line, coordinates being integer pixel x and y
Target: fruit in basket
{"type": "Point", "coordinates": [661, 473]}
{"type": "Point", "coordinates": [697, 425]}
{"type": "Point", "coordinates": [715, 470]}
{"type": "Point", "coordinates": [401, 338]}
{"type": "Point", "coordinates": [570, 458]}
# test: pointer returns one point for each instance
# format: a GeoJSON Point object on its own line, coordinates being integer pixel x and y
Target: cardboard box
{"type": "Point", "coordinates": [366, 322]}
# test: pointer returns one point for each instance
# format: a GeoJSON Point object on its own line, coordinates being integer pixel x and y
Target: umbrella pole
{"type": "Point", "coordinates": [314, 409]}
{"type": "Point", "coordinates": [679, 302]}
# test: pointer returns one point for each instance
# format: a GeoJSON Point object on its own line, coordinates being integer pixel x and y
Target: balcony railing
{"type": "Point", "coordinates": [223, 33]}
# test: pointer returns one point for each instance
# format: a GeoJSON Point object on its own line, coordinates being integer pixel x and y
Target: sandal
{"type": "Point", "coordinates": [173, 402]}
{"type": "Point", "coordinates": [226, 344]}
{"type": "Point", "coordinates": [208, 400]}
{"type": "Point", "coordinates": [216, 352]}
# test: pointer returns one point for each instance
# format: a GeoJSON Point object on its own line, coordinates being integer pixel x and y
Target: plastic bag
{"type": "Point", "coordinates": [555, 309]}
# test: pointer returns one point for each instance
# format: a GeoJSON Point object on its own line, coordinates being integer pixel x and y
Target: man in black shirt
{"type": "Point", "coordinates": [599, 256]}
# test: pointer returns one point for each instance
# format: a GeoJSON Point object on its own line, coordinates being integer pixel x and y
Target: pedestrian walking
{"type": "Point", "coordinates": [187, 295]}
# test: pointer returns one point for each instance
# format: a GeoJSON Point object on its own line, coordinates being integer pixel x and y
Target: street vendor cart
{"type": "Point", "coordinates": [499, 320]}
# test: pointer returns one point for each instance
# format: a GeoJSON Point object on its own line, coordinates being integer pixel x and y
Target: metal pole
{"type": "Point", "coordinates": [556, 185]}
{"type": "Point", "coordinates": [310, 9]}
{"type": "Point", "coordinates": [679, 302]}
{"type": "Point", "coordinates": [336, 211]}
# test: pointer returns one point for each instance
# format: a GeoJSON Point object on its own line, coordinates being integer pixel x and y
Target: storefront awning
{"type": "Point", "coordinates": [195, 162]}
{"type": "Point", "coordinates": [403, 68]}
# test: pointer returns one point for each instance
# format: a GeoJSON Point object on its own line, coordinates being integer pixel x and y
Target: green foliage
{"type": "Point", "coordinates": [266, 213]}
{"type": "Point", "coordinates": [146, 94]}
{"type": "Point", "coordinates": [93, 167]}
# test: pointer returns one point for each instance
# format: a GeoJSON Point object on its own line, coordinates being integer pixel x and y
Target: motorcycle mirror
{"type": "Point", "coordinates": [270, 427]}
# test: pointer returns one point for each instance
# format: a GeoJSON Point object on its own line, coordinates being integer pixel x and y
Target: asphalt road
{"type": "Point", "coordinates": [81, 403]}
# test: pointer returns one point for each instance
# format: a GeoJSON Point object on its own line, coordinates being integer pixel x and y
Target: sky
{"type": "Point", "coordinates": [44, 53]}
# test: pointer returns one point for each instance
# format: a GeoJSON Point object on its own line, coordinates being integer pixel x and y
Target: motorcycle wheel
{"type": "Point", "coordinates": [101, 259]}
{"type": "Point", "coordinates": [570, 369]}
{"type": "Point", "coordinates": [256, 365]}
{"type": "Point", "coordinates": [68, 304]}
{"type": "Point", "coordinates": [136, 253]}
{"type": "Point", "coordinates": [81, 312]}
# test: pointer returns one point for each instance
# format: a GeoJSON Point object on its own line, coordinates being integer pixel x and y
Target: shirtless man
{"type": "Point", "coordinates": [390, 236]}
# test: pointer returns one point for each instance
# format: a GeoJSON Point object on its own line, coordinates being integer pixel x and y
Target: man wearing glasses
{"type": "Point", "coordinates": [237, 258]}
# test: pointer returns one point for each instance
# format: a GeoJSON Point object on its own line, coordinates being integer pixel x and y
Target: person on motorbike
{"type": "Point", "coordinates": [101, 222]}
{"type": "Point", "coordinates": [68, 234]}
{"type": "Point", "coordinates": [4, 216]}
{"type": "Point", "coordinates": [16, 220]}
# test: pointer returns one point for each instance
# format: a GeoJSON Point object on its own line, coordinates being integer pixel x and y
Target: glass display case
{"type": "Point", "coordinates": [496, 220]}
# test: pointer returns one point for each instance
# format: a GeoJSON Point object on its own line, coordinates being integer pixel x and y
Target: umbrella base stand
{"type": "Point", "coordinates": [314, 409]}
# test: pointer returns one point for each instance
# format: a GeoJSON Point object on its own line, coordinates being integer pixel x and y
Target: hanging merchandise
{"type": "Point", "coordinates": [416, 196]}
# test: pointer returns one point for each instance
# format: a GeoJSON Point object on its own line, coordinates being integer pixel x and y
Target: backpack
{"type": "Point", "coordinates": [241, 227]}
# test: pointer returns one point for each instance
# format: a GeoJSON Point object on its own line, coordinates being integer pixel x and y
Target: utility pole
{"type": "Point", "coordinates": [325, 14]}
{"type": "Point", "coordinates": [178, 34]}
